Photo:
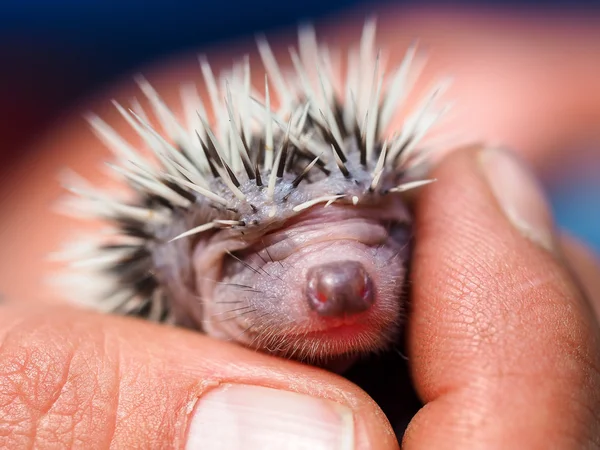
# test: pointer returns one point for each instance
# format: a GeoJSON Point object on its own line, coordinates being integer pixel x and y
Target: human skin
{"type": "Point", "coordinates": [502, 335]}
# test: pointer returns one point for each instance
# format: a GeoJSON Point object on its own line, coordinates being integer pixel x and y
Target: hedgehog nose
{"type": "Point", "coordinates": [339, 289]}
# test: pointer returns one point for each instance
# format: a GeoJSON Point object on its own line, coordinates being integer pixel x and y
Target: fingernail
{"type": "Point", "coordinates": [254, 417]}
{"type": "Point", "coordinates": [520, 196]}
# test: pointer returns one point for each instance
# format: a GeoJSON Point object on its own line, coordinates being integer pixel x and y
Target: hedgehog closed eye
{"type": "Point", "coordinates": [282, 229]}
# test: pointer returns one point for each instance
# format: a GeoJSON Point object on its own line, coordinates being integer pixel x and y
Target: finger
{"type": "Point", "coordinates": [586, 268]}
{"type": "Point", "coordinates": [74, 380]}
{"type": "Point", "coordinates": [503, 345]}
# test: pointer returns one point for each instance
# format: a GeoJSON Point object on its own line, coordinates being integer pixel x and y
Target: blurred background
{"type": "Point", "coordinates": [55, 53]}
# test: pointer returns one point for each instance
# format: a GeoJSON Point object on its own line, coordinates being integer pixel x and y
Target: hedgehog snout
{"type": "Point", "coordinates": [325, 285]}
{"type": "Point", "coordinates": [339, 289]}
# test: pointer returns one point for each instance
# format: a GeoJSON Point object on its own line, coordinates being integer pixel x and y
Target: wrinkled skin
{"type": "Point", "coordinates": [261, 296]}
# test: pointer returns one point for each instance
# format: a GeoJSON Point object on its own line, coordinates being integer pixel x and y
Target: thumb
{"type": "Point", "coordinates": [503, 340]}
{"type": "Point", "coordinates": [70, 379]}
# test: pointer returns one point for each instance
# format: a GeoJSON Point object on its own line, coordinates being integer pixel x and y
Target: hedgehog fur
{"type": "Point", "coordinates": [254, 171]}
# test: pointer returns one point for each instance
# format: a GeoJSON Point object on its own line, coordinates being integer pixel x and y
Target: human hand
{"type": "Point", "coordinates": [503, 347]}
{"type": "Point", "coordinates": [498, 332]}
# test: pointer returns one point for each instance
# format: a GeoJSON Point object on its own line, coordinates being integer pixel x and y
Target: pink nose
{"type": "Point", "coordinates": [339, 289]}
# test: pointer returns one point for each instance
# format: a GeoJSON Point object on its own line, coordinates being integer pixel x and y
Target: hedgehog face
{"type": "Point", "coordinates": [326, 284]}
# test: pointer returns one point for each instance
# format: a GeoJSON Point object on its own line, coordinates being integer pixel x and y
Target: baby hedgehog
{"type": "Point", "coordinates": [284, 229]}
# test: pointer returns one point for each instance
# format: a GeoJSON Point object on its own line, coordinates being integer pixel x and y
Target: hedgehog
{"type": "Point", "coordinates": [285, 229]}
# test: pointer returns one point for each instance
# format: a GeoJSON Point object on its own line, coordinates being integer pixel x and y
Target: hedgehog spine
{"type": "Point", "coordinates": [244, 173]}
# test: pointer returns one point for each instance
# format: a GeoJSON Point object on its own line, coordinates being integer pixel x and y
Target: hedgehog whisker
{"type": "Point", "coordinates": [270, 257]}
{"type": "Point", "coordinates": [265, 271]}
{"type": "Point", "coordinates": [243, 287]}
{"type": "Point", "coordinates": [271, 337]}
{"type": "Point", "coordinates": [247, 265]}
{"type": "Point", "coordinates": [241, 308]}
{"type": "Point", "coordinates": [249, 327]}
{"type": "Point", "coordinates": [260, 256]}
{"type": "Point", "coordinates": [238, 285]}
